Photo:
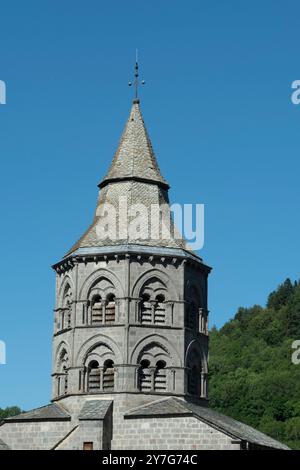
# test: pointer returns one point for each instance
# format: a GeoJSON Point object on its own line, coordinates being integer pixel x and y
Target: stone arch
{"type": "Point", "coordinates": [102, 287]}
{"type": "Point", "coordinates": [196, 370]}
{"type": "Point", "coordinates": [154, 352]}
{"type": "Point", "coordinates": [96, 277]}
{"type": "Point", "coordinates": [100, 353]}
{"type": "Point", "coordinates": [161, 276]}
{"type": "Point", "coordinates": [160, 341]}
{"type": "Point", "coordinates": [63, 346]}
{"type": "Point", "coordinates": [63, 362]}
{"type": "Point", "coordinates": [154, 287]}
{"type": "Point", "coordinates": [61, 369]}
{"type": "Point", "coordinates": [95, 341]}
{"type": "Point", "coordinates": [66, 281]}
{"type": "Point", "coordinates": [195, 350]}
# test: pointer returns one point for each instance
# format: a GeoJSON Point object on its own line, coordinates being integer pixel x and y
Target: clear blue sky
{"type": "Point", "coordinates": [218, 109]}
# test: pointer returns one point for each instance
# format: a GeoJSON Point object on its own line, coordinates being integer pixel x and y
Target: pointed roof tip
{"type": "Point", "coordinates": [135, 159]}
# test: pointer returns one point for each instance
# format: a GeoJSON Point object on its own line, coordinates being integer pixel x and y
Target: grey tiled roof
{"type": "Point", "coordinates": [166, 406]}
{"type": "Point", "coordinates": [134, 175]}
{"type": "Point", "coordinates": [95, 409]}
{"type": "Point", "coordinates": [3, 446]}
{"type": "Point", "coordinates": [230, 426]}
{"type": "Point", "coordinates": [52, 412]}
{"type": "Point", "coordinates": [134, 157]}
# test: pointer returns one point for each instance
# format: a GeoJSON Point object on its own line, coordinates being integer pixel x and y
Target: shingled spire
{"type": "Point", "coordinates": [135, 158]}
{"type": "Point", "coordinates": [134, 175]}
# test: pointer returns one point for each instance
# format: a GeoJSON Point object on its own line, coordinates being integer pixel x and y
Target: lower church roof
{"type": "Point", "coordinates": [45, 413]}
{"type": "Point", "coordinates": [95, 409]}
{"type": "Point", "coordinates": [176, 407]}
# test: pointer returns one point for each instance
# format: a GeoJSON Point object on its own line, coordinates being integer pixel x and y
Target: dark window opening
{"type": "Point", "coordinates": [96, 309]}
{"type": "Point", "coordinates": [93, 376]}
{"type": "Point", "coordinates": [110, 309]}
{"type": "Point", "coordinates": [146, 310]}
{"type": "Point", "coordinates": [160, 310]}
{"type": "Point", "coordinates": [160, 377]}
{"type": "Point", "coordinates": [145, 380]}
{"type": "Point", "coordinates": [108, 376]}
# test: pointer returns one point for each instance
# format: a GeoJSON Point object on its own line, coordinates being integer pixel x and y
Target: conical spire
{"type": "Point", "coordinates": [134, 175]}
{"type": "Point", "coordinates": [134, 158]}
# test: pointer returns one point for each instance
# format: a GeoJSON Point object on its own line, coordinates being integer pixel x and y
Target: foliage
{"type": "Point", "coordinates": [252, 377]}
{"type": "Point", "coordinates": [9, 411]}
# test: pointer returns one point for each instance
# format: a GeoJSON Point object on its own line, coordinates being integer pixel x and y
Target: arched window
{"type": "Point", "coordinates": [97, 309]}
{"type": "Point", "coordinates": [145, 378]}
{"type": "Point", "coordinates": [160, 310]}
{"type": "Point", "coordinates": [146, 310]}
{"type": "Point", "coordinates": [108, 376]}
{"type": "Point", "coordinates": [62, 372]}
{"type": "Point", "coordinates": [153, 295]}
{"type": "Point", "coordinates": [93, 376]}
{"type": "Point", "coordinates": [152, 378]}
{"type": "Point", "coordinates": [110, 309]}
{"type": "Point", "coordinates": [160, 377]}
{"type": "Point", "coordinates": [66, 309]}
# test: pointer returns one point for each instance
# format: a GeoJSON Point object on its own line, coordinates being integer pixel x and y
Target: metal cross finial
{"type": "Point", "coordinates": [136, 81]}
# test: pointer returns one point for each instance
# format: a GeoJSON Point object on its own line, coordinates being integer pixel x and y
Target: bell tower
{"type": "Point", "coordinates": [131, 299]}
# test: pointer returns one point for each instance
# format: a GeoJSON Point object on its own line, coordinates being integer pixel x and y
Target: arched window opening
{"type": "Point", "coordinates": [65, 311]}
{"type": "Point", "coordinates": [160, 310]}
{"type": "Point", "coordinates": [108, 376]}
{"type": "Point", "coordinates": [146, 310]}
{"type": "Point", "coordinates": [110, 309]}
{"type": "Point", "coordinates": [145, 378]}
{"type": "Point", "coordinates": [160, 377]}
{"type": "Point", "coordinates": [93, 376]}
{"type": "Point", "coordinates": [62, 372]}
{"type": "Point", "coordinates": [96, 309]}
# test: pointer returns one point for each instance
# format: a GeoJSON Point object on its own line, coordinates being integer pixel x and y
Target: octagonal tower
{"type": "Point", "coordinates": [131, 305]}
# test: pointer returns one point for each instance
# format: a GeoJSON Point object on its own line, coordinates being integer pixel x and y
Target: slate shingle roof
{"type": "Point", "coordinates": [95, 409]}
{"type": "Point", "coordinates": [230, 426]}
{"type": "Point", "coordinates": [134, 157]}
{"type": "Point", "coordinates": [134, 174]}
{"type": "Point", "coordinates": [52, 412]}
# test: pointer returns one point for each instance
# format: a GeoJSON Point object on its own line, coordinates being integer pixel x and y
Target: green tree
{"type": "Point", "coordinates": [9, 411]}
{"type": "Point", "coordinates": [251, 374]}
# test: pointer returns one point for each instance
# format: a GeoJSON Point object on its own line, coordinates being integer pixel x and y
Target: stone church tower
{"type": "Point", "coordinates": [131, 313]}
{"type": "Point", "coordinates": [130, 343]}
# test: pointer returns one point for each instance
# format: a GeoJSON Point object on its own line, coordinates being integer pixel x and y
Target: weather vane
{"type": "Point", "coordinates": [136, 81]}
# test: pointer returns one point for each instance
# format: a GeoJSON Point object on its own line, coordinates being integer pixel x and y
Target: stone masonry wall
{"type": "Point", "coordinates": [186, 433]}
{"type": "Point", "coordinates": [34, 435]}
{"type": "Point", "coordinates": [87, 431]}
